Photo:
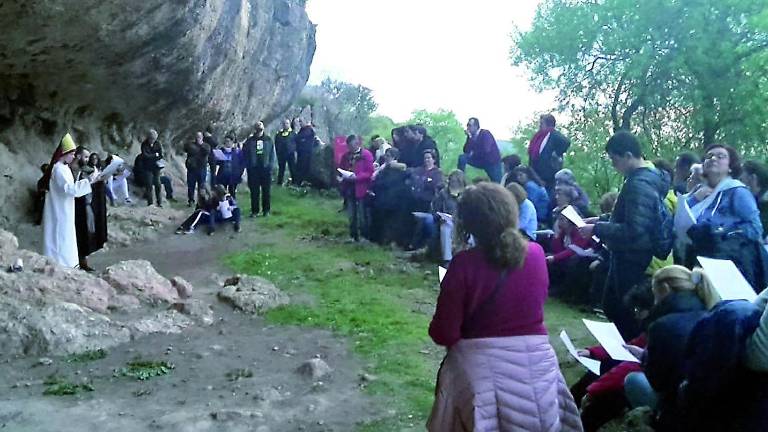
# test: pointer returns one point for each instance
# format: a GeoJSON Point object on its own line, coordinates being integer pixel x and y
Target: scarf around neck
{"type": "Point", "coordinates": [534, 147]}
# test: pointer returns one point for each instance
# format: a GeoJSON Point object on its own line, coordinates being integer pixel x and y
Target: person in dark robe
{"type": "Point", "coordinates": [90, 210]}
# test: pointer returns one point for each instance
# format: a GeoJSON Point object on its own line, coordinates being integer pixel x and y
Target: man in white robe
{"type": "Point", "coordinates": [59, 241]}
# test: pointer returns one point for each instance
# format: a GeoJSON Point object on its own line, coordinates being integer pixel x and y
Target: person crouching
{"type": "Point", "coordinates": [211, 210]}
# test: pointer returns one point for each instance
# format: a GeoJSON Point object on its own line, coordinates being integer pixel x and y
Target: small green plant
{"type": "Point", "coordinates": [143, 370]}
{"type": "Point", "coordinates": [239, 374]}
{"type": "Point", "coordinates": [57, 386]}
{"type": "Point", "coordinates": [87, 356]}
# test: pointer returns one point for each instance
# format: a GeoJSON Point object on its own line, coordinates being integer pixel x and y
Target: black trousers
{"type": "Point", "coordinates": [260, 184]}
{"type": "Point", "coordinates": [624, 272]}
{"type": "Point", "coordinates": [283, 159]}
{"type": "Point", "coordinates": [303, 163]}
{"type": "Point", "coordinates": [152, 180]}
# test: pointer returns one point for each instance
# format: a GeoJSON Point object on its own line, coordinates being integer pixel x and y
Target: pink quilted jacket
{"type": "Point", "coordinates": [503, 384]}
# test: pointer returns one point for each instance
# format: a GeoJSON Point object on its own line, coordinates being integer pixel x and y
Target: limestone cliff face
{"type": "Point", "coordinates": [108, 69]}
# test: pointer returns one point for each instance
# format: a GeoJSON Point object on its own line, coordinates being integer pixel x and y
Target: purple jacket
{"type": "Point", "coordinates": [484, 149]}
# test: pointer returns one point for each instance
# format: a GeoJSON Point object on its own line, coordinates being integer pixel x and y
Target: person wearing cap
{"type": "Point", "coordinates": [260, 160]}
{"type": "Point", "coordinates": [59, 238]}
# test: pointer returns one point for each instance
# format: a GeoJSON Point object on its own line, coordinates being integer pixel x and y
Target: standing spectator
{"type": "Point", "coordinates": [229, 166]}
{"type": "Point", "coordinates": [359, 161]}
{"type": "Point", "coordinates": [153, 163]}
{"type": "Point", "coordinates": [390, 211]}
{"type": "Point", "coordinates": [90, 212]}
{"type": "Point", "coordinates": [285, 147]}
{"type": "Point", "coordinates": [418, 141]}
{"type": "Point", "coordinates": [727, 218]}
{"type": "Point", "coordinates": [305, 142]}
{"type": "Point", "coordinates": [481, 151]}
{"type": "Point", "coordinates": [490, 316]}
{"type": "Point", "coordinates": [510, 163]}
{"type": "Point", "coordinates": [755, 176]}
{"type": "Point", "coordinates": [683, 165]}
{"type": "Point", "coordinates": [59, 238]}
{"type": "Point", "coordinates": [546, 150]}
{"type": "Point", "coordinates": [40, 190]}
{"type": "Point", "coordinates": [581, 202]}
{"type": "Point", "coordinates": [633, 229]}
{"type": "Point", "coordinates": [198, 152]}
{"type": "Point", "coordinates": [260, 160]}
{"type": "Point", "coordinates": [213, 144]}
{"type": "Point", "coordinates": [379, 147]}
{"type": "Point", "coordinates": [539, 196]}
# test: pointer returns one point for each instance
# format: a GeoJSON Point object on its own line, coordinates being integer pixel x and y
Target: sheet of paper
{"type": "Point", "coordinates": [445, 216]}
{"type": "Point", "coordinates": [544, 233]}
{"type": "Point", "coordinates": [589, 253]}
{"type": "Point", "coordinates": [421, 214]}
{"type": "Point", "coordinates": [573, 216]}
{"type": "Point", "coordinates": [609, 337]}
{"type": "Point", "coordinates": [591, 364]}
{"type": "Point", "coordinates": [727, 279]}
{"type": "Point", "coordinates": [113, 166]}
{"type": "Point", "coordinates": [345, 173]}
{"type": "Point", "coordinates": [684, 218]}
{"type": "Point", "coordinates": [224, 208]}
{"type": "Point", "coordinates": [441, 272]}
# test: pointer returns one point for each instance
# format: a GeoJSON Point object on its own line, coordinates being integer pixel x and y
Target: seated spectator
{"type": "Point", "coordinates": [602, 397]}
{"type": "Point", "coordinates": [217, 208]}
{"type": "Point", "coordinates": [581, 202]}
{"type": "Point", "coordinates": [378, 148]}
{"type": "Point", "coordinates": [447, 203]}
{"type": "Point", "coordinates": [528, 223]}
{"type": "Point", "coordinates": [117, 184]}
{"type": "Point", "coordinates": [569, 261]}
{"type": "Point", "coordinates": [681, 298]}
{"type": "Point", "coordinates": [756, 356]}
{"type": "Point", "coordinates": [755, 176]}
{"type": "Point", "coordinates": [682, 171]}
{"type": "Point", "coordinates": [390, 213]}
{"type": "Point", "coordinates": [528, 179]}
{"type": "Point", "coordinates": [481, 151]}
{"type": "Point", "coordinates": [727, 218]}
{"type": "Point", "coordinates": [490, 316]}
{"type": "Point", "coordinates": [425, 182]}
{"type": "Point", "coordinates": [509, 163]}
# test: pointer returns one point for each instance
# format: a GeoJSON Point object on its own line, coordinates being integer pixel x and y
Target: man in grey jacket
{"type": "Point", "coordinates": [260, 160]}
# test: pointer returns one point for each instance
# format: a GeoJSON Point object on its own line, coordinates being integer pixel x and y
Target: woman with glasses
{"type": "Point", "coordinates": [727, 220]}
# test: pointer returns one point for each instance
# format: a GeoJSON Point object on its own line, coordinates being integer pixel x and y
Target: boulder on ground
{"type": "Point", "coordinates": [140, 279]}
{"type": "Point", "coordinates": [252, 294]}
{"type": "Point", "coordinates": [183, 287]}
{"type": "Point", "coordinates": [195, 309]}
{"type": "Point", "coordinates": [315, 369]}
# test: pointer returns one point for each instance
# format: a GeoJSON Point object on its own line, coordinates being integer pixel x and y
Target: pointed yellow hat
{"type": "Point", "coordinates": [67, 144]}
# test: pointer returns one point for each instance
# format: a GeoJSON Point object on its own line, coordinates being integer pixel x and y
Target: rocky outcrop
{"type": "Point", "coordinates": [252, 294]}
{"type": "Point", "coordinates": [48, 309]}
{"type": "Point", "coordinates": [107, 70]}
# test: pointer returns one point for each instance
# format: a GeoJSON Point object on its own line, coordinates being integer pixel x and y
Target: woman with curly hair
{"type": "Point", "coordinates": [490, 316]}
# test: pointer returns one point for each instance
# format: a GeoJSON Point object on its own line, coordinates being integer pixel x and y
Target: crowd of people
{"type": "Point", "coordinates": [508, 240]}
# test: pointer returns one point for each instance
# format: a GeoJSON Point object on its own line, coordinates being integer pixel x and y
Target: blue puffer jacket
{"type": "Point", "coordinates": [719, 394]}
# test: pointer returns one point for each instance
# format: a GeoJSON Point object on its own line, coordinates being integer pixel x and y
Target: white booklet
{"type": "Point", "coordinates": [684, 218]}
{"type": "Point", "coordinates": [609, 337]}
{"type": "Point", "coordinates": [344, 173]}
{"type": "Point", "coordinates": [727, 279]}
{"type": "Point", "coordinates": [112, 168]}
{"type": "Point", "coordinates": [591, 364]}
{"type": "Point", "coordinates": [441, 271]}
{"type": "Point", "coordinates": [445, 216]}
{"type": "Point", "coordinates": [572, 215]}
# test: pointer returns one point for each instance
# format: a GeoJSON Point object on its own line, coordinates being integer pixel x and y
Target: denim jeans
{"type": "Point", "coordinates": [639, 392]}
{"type": "Point", "coordinates": [494, 171]}
{"type": "Point", "coordinates": [426, 229]}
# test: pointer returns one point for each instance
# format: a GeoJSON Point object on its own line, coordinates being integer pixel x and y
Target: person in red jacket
{"type": "Point", "coordinates": [359, 163]}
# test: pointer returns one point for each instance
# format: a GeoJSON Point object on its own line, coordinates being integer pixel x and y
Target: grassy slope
{"type": "Point", "coordinates": [365, 293]}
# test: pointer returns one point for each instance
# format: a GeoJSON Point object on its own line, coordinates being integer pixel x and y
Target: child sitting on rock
{"type": "Point", "coordinates": [210, 210]}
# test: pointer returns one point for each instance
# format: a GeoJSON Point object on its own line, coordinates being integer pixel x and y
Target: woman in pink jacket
{"type": "Point", "coordinates": [358, 165]}
{"type": "Point", "coordinates": [500, 372]}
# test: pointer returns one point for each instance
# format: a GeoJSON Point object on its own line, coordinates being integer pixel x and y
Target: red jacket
{"type": "Point", "coordinates": [560, 252]}
{"type": "Point", "coordinates": [362, 166]}
{"type": "Point", "coordinates": [613, 380]}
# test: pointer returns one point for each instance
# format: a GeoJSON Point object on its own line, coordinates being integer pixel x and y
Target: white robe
{"type": "Point", "coordinates": [59, 238]}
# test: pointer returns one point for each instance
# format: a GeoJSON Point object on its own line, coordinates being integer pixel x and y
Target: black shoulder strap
{"type": "Point", "coordinates": [489, 301]}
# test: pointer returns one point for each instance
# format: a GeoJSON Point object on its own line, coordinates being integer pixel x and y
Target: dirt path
{"type": "Point", "coordinates": [197, 395]}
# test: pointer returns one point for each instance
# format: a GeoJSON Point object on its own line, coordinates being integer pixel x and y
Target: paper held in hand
{"type": "Point", "coordinates": [609, 338]}
{"type": "Point", "coordinates": [591, 364]}
{"type": "Point", "coordinates": [441, 273]}
{"type": "Point", "coordinates": [445, 216]}
{"type": "Point", "coordinates": [573, 216]}
{"type": "Point", "coordinates": [344, 173]}
{"type": "Point", "coordinates": [727, 279]}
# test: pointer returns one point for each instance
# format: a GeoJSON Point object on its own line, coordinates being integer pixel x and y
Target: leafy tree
{"type": "Point", "coordinates": [350, 104]}
{"type": "Point", "coordinates": [382, 126]}
{"type": "Point", "coordinates": [680, 73]}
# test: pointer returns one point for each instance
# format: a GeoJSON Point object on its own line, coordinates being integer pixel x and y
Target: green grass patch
{"type": "Point", "coordinates": [143, 370]}
{"type": "Point", "coordinates": [380, 303]}
{"type": "Point", "coordinates": [58, 386]}
{"type": "Point", "coordinates": [87, 356]}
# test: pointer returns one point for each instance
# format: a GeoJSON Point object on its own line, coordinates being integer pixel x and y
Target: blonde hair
{"type": "Point", "coordinates": [678, 279]}
{"type": "Point", "coordinates": [518, 192]}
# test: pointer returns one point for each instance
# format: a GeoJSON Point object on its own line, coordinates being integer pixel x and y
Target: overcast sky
{"type": "Point", "coordinates": [430, 54]}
